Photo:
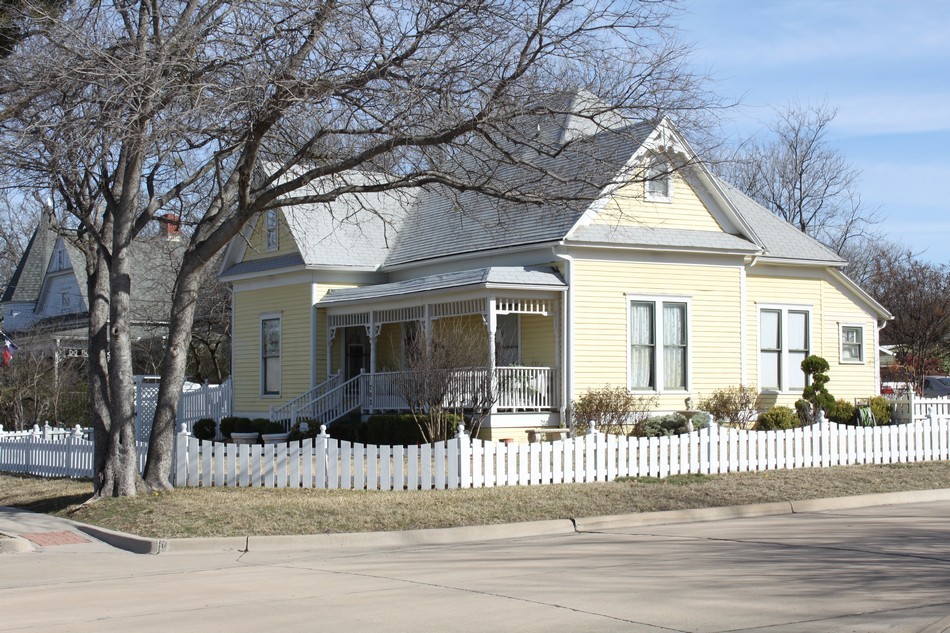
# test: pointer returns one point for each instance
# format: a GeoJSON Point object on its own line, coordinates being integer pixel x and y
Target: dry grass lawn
{"type": "Point", "coordinates": [254, 511]}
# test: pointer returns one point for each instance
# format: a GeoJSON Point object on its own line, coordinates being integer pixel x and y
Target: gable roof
{"type": "Point", "coordinates": [779, 239]}
{"type": "Point", "coordinates": [27, 279]}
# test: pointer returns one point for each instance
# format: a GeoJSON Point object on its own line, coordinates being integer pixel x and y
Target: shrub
{"type": "Point", "coordinates": [265, 426]}
{"type": "Point", "coordinates": [204, 429]}
{"type": "Point", "coordinates": [882, 410]}
{"type": "Point", "coordinates": [777, 418]}
{"type": "Point", "coordinates": [733, 406]}
{"type": "Point", "coordinates": [613, 410]}
{"type": "Point", "coordinates": [671, 424]}
{"type": "Point", "coordinates": [346, 430]}
{"type": "Point", "coordinates": [227, 425]}
{"type": "Point", "coordinates": [245, 425]}
{"type": "Point", "coordinates": [845, 412]}
{"type": "Point", "coordinates": [313, 430]}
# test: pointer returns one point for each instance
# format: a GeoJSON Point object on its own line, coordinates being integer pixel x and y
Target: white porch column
{"type": "Point", "coordinates": [491, 324]}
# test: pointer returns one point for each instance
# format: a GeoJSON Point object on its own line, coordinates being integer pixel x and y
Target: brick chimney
{"type": "Point", "coordinates": [172, 224]}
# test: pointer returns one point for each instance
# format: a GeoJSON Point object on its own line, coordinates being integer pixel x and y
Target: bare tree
{"type": "Point", "coordinates": [801, 178]}
{"type": "Point", "coordinates": [220, 111]}
{"type": "Point", "coordinates": [918, 294]}
{"type": "Point", "coordinates": [447, 376]}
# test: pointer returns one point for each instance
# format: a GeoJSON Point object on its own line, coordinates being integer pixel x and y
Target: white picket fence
{"type": "Point", "coordinates": [466, 463]}
{"type": "Point", "coordinates": [53, 452]}
{"type": "Point", "coordinates": [197, 401]}
{"type": "Point", "coordinates": [909, 407]}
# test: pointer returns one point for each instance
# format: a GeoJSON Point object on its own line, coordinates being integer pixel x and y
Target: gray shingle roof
{"type": "Point", "coordinates": [264, 265]}
{"type": "Point", "coordinates": [355, 230]}
{"type": "Point", "coordinates": [670, 238]}
{"type": "Point", "coordinates": [779, 238]}
{"type": "Point", "coordinates": [518, 276]}
{"type": "Point", "coordinates": [27, 279]}
{"type": "Point", "coordinates": [446, 222]}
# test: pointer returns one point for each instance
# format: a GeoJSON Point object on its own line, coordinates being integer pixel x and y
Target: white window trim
{"type": "Point", "coordinates": [841, 342]}
{"type": "Point", "coordinates": [271, 235]}
{"type": "Point", "coordinates": [784, 308]}
{"type": "Point", "coordinates": [663, 166]}
{"type": "Point", "coordinates": [260, 352]}
{"type": "Point", "coordinates": [658, 301]}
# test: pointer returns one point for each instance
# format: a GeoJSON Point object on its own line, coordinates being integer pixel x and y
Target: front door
{"type": "Point", "coordinates": [357, 352]}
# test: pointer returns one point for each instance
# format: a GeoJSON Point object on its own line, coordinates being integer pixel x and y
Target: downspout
{"type": "Point", "coordinates": [881, 324]}
{"type": "Point", "coordinates": [567, 332]}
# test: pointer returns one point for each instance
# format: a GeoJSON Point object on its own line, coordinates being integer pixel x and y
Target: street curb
{"type": "Point", "coordinates": [13, 544]}
{"type": "Point", "coordinates": [863, 501]}
{"type": "Point", "coordinates": [480, 533]}
{"type": "Point", "coordinates": [693, 515]}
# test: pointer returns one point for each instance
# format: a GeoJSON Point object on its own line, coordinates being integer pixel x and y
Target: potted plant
{"type": "Point", "coordinates": [244, 432]}
{"type": "Point", "coordinates": [272, 432]}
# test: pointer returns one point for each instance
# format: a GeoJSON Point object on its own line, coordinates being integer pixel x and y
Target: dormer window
{"type": "Point", "coordinates": [270, 230]}
{"type": "Point", "coordinates": [657, 185]}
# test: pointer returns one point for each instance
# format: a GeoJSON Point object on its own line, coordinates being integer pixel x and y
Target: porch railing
{"type": "Point", "coordinates": [333, 404]}
{"type": "Point", "coordinates": [285, 412]}
{"type": "Point", "coordinates": [512, 389]}
{"type": "Point", "coordinates": [531, 388]}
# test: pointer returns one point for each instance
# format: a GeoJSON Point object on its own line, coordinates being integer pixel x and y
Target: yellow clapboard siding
{"type": "Point", "coordinates": [684, 210]}
{"type": "Point", "coordinates": [601, 355]}
{"type": "Point", "coordinates": [293, 303]}
{"type": "Point", "coordinates": [256, 247]}
{"type": "Point", "coordinates": [537, 341]}
{"type": "Point", "coordinates": [831, 305]}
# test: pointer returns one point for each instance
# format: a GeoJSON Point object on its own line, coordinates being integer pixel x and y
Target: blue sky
{"type": "Point", "coordinates": [884, 65]}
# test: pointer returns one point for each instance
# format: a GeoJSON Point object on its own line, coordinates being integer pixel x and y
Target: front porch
{"type": "Point", "coordinates": [493, 352]}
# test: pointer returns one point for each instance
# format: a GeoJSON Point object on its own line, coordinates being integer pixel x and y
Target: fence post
{"type": "Point", "coordinates": [824, 428]}
{"type": "Point", "coordinates": [465, 458]}
{"type": "Point", "coordinates": [180, 460]}
{"type": "Point", "coordinates": [47, 430]}
{"type": "Point", "coordinates": [320, 450]}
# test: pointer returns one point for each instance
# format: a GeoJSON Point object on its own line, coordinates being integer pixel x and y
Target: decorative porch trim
{"type": "Point", "coordinates": [512, 305]}
{"type": "Point", "coordinates": [458, 308]}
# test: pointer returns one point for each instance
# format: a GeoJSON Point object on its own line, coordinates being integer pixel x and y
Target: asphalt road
{"type": "Point", "coordinates": [884, 568]}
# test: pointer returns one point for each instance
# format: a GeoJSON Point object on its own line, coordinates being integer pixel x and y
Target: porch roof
{"type": "Point", "coordinates": [526, 277]}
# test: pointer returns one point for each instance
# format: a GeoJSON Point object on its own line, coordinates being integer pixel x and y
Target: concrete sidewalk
{"type": "Point", "coordinates": [29, 532]}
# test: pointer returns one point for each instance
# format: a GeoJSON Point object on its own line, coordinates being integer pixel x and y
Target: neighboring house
{"type": "Point", "coordinates": [45, 305]}
{"type": "Point", "coordinates": [673, 287]}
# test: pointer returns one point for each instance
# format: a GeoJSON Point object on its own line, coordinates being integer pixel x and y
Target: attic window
{"type": "Point", "coordinates": [270, 230]}
{"type": "Point", "coordinates": [657, 185]}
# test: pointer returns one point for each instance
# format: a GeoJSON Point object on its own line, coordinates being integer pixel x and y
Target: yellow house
{"type": "Point", "coordinates": [668, 281]}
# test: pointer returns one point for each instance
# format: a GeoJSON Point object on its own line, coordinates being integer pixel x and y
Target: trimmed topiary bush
{"type": "Point", "coordinates": [227, 425]}
{"type": "Point", "coordinates": [204, 429]}
{"type": "Point", "coordinates": [777, 418]}
{"type": "Point", "coordinates": [245, 425]}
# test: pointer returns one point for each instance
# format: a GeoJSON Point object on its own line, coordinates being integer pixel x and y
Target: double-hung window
{"type": "Point", "coordinates": [659, 344]}
{"type": "Point", "coordinates": [852, 344]}
{"type": "Point", "coordinates": [784, 341]}
{"type": "Point", "coordinates": [270, 355]}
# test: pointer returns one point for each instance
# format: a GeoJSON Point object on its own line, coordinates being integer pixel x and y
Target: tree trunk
{"type": "Point", "coordinates": [122, 387]}
{"type": "Point", "coordinates": [162, 440]}
{"type": "Point", "coordinates": [97, 369]}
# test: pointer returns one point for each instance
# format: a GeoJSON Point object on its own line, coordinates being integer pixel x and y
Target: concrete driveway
{"type": "Point", "coordinates": [883, 568]}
